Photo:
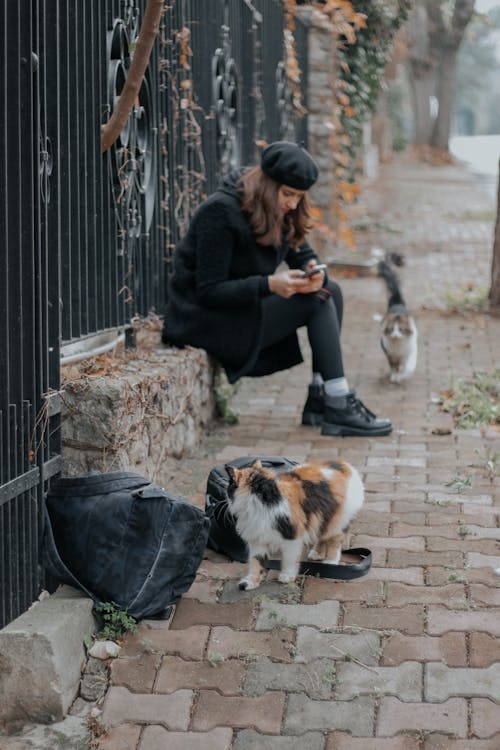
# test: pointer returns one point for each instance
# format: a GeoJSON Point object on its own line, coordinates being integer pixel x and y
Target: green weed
{"type": "Point", "coordinates": [116, 622]}
{"type": "Point", "coordinates": [214, 658]}
{"type": "Point", "coordinates": [467, 299]}
{"type": "Point", "coordinates": [474, 402]}
{"type": "Point", "coordinates": [490, 461]}
{"type": "Point", "coordinates": [223, 394]}
{"type": "Point", "coordinates": [459, 483]}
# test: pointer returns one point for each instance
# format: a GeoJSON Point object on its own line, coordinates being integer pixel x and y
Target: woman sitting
{"type": "Point", "coordinates": [226, 296]}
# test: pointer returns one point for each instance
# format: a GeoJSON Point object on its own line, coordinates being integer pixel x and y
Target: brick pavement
{"type": "Point", "coordinates": [407, 658]}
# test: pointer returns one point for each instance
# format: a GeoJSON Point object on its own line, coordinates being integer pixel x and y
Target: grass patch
{"type": "Point", "coordinates": [467, 299]}
{"type": "Point", "coordinates": [474, 402]}
{"type": "Point", "coordinates": [367, 225]}
{"type": "Point", "coordinates": [479, 215]}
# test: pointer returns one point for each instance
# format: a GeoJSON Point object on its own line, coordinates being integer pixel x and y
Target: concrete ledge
{"type": "Point", "coordinates": [41, 656]}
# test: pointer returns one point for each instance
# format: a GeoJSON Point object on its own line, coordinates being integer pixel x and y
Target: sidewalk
{"type": "Point", "coordinates": [408, 657]}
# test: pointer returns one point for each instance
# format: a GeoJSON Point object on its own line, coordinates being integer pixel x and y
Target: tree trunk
{"type": "Point", "coordinates": [422, 87]}
{"type": "Point", "coordinates": [494, 294]}
{"type": "Point", "coordinates": [140, 60]}
{"type": "Point", "coordinates": [446, 95]}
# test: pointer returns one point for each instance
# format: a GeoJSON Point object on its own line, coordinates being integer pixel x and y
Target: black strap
{"type": "Point", "coordinates": [326, 570]}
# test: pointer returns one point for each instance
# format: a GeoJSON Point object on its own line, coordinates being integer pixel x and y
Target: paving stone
{"type": "Point", "coordinates": [203, 591]}
{"type": "Point", "coordinates": [443, 742]}
{"type": "Point", "coordinates": [312, 644]}
{"type": "Point", "coordinates": [304, 714]}
{"type": "Point", "coordinates": [323, 615]}
{"type": "Point", "coordinates": [481, 532]}
{"type": "Point", "coordinates": [443, 498]}
{"type": "Point", "coordinates": [404, 681]}
{"type": "Point", "coordinates": [268, 590]}
{"type": "Point", "coordinates": [484, 649]}
{"type": "Point", "coordinates": [137, 673]}
{"type": "Point", "coordinates": [450, 648]}
{"type": "Point", "coordinates": [410, 543]}
{"type": "Point", "coordinates": [410, 619]}
{"type": "Point", "coordinates": [371, 527]}
{"type": "Point", "coordinates": [250, 740]}
{"type": "Point", "coordinates": [220, 570]}
{"type": "Point", "coordinates": [264, 713]}
{"type": "Point", "coordinates": [395, 716]}
{"type": "Point", "coordinates": [416, 461]}
{"type": "Point", "coordinates": [191, 612]}
{"type": "Point", "coordinates": [315, 678]}
{"type": "Point", "coordinates": [218, 674]}
{"type": "Point", "coordinates": [485, 595]}
{"type": "Point", "coordinates": [124, 737]}
{"type": "Point", "coordinates": [449, 531]}
{"type": "Point", "coordinates": [442, 682]}
{"type": "Point", "coordinates": [122, 706]}
{"type": "Point", "coordinates": [477, 560]}
{"type": "Point", "coordinates": [158, 738]}
{"type": "Point", "coordinates": [277, 644]}
{"type": "Point", "coordinates": [401, 559]}
{"type": "Point", "coordinates": [441, 620]}
{"type": "Point", "coordinates": [465, 544]}
{"type": "Point", "coordinates": [400, 594]}
{"type": "Point", "coordinates": [318, 589]}
{"type": "Point", "coordinates": [485, 718]}
{"type": "Point", "coordinates": [189, 643]}
{"type": "Point", "coordinates": [341, 741]}
{"type": "Point", "coordinates": [413, 576]}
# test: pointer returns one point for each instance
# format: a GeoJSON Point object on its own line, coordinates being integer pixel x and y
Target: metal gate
{"type": "Point", "coordinates": [86, 239]}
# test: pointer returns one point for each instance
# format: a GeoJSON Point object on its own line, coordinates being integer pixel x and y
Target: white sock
{"type": "Point", "coordinates": [317, 379]}
{"type": "Point", "coordinates": [336, 387]}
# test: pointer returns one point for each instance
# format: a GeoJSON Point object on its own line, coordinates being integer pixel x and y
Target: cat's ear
{"type": "Point", "coordinates": [231, 472]}
{"type": "Point", "coordinates": [257, 464]}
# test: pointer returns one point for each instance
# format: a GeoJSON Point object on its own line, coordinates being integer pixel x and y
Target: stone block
{"type": "Point", "coordinates": [150, 407]}
{"type": "Point", "coordinates": [41, 655]}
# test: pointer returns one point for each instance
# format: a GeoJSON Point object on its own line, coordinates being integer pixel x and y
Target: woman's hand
{"type": "Point", "coordinates": [287, 283]}
{"type": "Point", "coordinates": [312, 283]}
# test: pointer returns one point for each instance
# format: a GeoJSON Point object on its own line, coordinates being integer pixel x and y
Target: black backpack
{"type": "Point", "coordinates": [121, 539]}
{"type": "Point", "coordinates": [224, 538]}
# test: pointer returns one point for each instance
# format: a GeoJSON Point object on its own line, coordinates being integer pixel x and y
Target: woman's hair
{"type": "Point", "coordinates": [260, 203]}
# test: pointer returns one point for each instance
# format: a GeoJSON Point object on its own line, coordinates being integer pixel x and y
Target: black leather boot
{"type": "Point", "coordinates": [314, 409]}
{"type": "Point", "coordinates": [347, 415]}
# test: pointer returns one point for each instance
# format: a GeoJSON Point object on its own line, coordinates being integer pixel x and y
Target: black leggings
{"type": "Point", "coordinates": [322, 313]}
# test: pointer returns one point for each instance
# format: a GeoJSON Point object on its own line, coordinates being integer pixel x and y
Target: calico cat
{"type": "Point", "coordinates": [281, 512]}
{"type": "Point", "coordinates": [399, 332]}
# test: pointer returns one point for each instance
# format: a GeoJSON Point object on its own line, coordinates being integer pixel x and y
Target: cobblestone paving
{"type": "Point", "coordinates": [407, 658]}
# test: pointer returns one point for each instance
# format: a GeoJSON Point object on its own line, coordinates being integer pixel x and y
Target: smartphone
{"type": "Point", "coordinates": [315, 269]}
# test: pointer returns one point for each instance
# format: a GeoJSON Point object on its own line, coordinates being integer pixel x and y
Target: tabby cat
{"type": "Point", "coordinates": [283, 512]}
{"type": "Point", "coordinates": [398, 330]}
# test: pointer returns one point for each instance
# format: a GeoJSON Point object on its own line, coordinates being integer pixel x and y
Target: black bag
{"type": "Point", "coordinates": [120, 538]}
{"type": "Point", "coordinates": [224, 538]}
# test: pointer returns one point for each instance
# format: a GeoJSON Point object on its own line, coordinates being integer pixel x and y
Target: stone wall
{"type": "Point", "coordinates": [134, 410]}
{"type": "Point", "coordinates": [321, 83]}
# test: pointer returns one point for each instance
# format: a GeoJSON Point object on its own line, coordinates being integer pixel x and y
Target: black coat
{"type": "Point", "coordinates": [218, 282]}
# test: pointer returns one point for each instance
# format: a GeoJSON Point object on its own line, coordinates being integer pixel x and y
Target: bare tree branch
{"type": "Point", "coordinates": [140, 60]}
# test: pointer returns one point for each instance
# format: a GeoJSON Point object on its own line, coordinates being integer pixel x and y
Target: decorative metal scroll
{"type": "Point", "coordinates": [225, 96]}
{"type": "Point", "coordinates": [133, 156]}
{"type": "Point", "coordinates": [285, 104]}
{"type": "Point", "coordinates": [45, 166]}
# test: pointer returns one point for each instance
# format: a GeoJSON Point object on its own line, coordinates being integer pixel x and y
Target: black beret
{"type": "Point", "coordinates": [289, 164]}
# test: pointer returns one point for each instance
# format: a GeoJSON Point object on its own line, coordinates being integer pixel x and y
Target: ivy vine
{"type": "Point", "coordinates": [365, 30]}
{"type": "Point", "coordinates": [362, 66]}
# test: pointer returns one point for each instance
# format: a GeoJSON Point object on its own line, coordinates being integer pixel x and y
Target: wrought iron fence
{"type": "Point", "coordinates": [86, 238]}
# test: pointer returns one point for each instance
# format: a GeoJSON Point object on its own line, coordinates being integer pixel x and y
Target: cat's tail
{"type": "Point", "coordinates": [391, 279]}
